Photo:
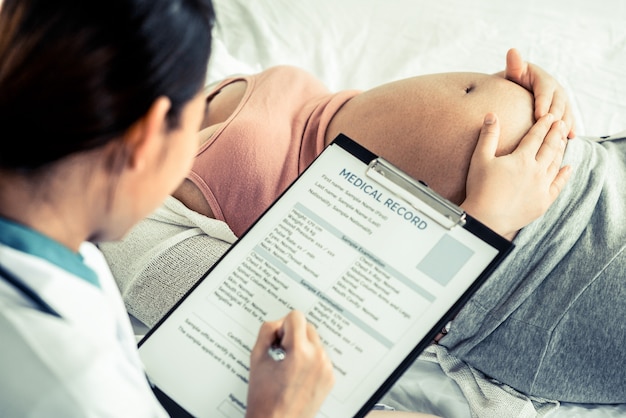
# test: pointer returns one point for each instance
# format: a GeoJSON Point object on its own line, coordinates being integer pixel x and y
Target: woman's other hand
{"type": "Point", "coordinates": [550, 96]}
{"type": "Point", "coordinates": [297, 385]}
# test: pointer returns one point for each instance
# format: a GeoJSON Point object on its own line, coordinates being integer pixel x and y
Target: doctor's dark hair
{"type": "Point", "coordinates": [75, 74]}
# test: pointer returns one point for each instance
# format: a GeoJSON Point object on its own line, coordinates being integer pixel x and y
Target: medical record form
{"type": "Point", "coordinates": [377, 262]}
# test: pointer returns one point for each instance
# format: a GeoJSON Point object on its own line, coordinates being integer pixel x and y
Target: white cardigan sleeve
{"type": "Point", "coordinates": [163, 256]}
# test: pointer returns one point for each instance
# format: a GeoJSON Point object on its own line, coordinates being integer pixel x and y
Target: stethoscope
{"type": "Point", "coordinates": [28, 292]}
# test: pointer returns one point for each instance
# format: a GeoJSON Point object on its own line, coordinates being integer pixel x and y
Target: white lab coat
{"type": "Point", "coordinates": [82, 365]}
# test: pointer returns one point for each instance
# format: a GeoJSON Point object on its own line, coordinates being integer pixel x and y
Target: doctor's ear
{"type": "Point", "coordinates": [145, 139]}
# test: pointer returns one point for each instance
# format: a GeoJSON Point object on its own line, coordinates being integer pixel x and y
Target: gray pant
{"type": "Point", "coordinates": [551, 321]}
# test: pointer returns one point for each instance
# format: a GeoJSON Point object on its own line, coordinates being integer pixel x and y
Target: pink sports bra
{"type": "Point", "coordinates": [274, 133]}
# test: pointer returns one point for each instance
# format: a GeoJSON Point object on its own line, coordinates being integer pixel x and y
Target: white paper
{"type": "Point", "coordinates": [372, 273]}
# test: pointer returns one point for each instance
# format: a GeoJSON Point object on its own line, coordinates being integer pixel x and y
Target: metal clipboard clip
{"type": "Point", "coordinates": [418, 195]}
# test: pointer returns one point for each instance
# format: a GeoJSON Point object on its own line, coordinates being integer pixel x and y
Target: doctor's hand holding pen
{"type": "Point", "coordinates": [290, 372]}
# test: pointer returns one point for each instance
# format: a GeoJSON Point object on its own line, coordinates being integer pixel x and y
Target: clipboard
{"type": "Point", "coordinates": [376, 260]}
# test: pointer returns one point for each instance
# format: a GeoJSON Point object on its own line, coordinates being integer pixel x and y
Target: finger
{"type": "Point", "coordinates": [266, 337]}
{"type": "Point", "coordinates": [515, 65]}
{"type": "Point", "coordinates": [568, 118]}
{"type": "Point", "coordinates": [293, 329]}
{"type": "Point", "coordinates": [559, 182]}
{"type": "Point", "coordinates": [553, 147]}
{"type": "Point", "coordinates": [544, 98]}
{"type": "Point", "coordinates": [312, 334]}
{"type": "Point", "coordinates": [560, 153]}
{"type": "Point", "coordinates": [488, 139]}
{"type": "Point", "coordinates": [558, 107]}
{"type": "Point", "coordinates": [532, 141]}
{"type": "Point", "coordinates": [549, 96]}
{"type": "Point", "coordinates": [270, 330]}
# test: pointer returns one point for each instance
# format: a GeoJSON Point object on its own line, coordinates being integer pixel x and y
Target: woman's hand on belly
{"type": "Point", "coordinates": [508, 192]}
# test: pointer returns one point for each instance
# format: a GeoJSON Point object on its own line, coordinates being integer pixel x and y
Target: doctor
{"type": "Point", "coordinates": [100, 103]}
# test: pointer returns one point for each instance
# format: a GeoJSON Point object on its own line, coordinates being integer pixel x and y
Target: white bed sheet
{"type": "Point", "coordinates": [363, 43]}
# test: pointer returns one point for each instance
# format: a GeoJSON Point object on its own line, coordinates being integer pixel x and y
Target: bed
{"type": "Point", "coordinates": [362, 43]}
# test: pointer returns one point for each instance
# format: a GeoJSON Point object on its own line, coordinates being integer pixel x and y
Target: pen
{"type": "Point", "coordinates": [276, 351]}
